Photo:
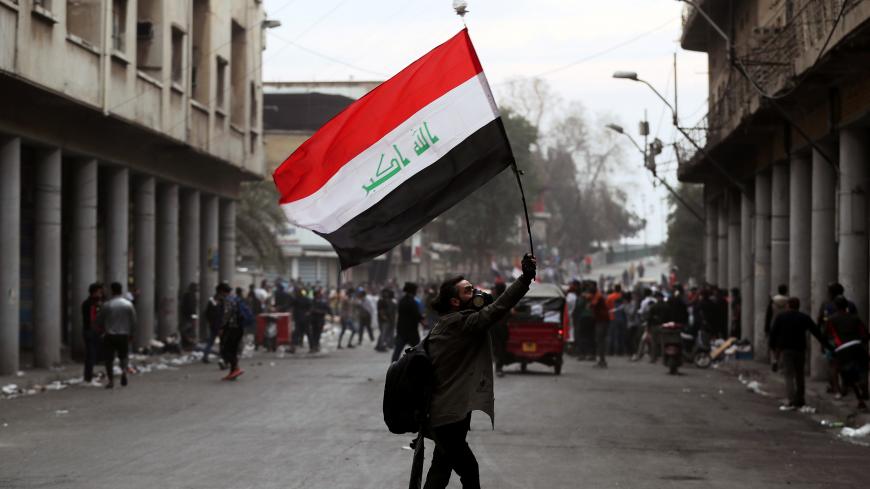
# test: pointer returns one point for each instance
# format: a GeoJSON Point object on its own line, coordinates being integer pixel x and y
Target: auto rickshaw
{"type": "Point", "coordinates": [537, 328]}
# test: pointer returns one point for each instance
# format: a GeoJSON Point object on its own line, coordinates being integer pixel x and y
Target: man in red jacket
{"type": "Point", "coordinates": [598, 305]}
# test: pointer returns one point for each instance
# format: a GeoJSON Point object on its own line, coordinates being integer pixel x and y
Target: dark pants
{"type": "Point", "coordinates": [586, 337]}
{"type": "Point", "coordinates": [92, 353]}
{"type": "Point", "coordinates": [230, 340]}
{"type": "Point", "coordinates": [452, 453]}
{"type": "Point", "coordinates": [387, 336]}
{"type": "Point", "coordinates": [616, 338]}
{"type": "Point", "coordinates": [655, 350]}
{"type": "Point", "coordinates": [346, 324]}
{"type": "Point", "coordinates": [792, 362]}
{"type": "Point", "coordinates": [115, 344]}
{"type": "Point", "coordinates": [315, 328]}
{"type": "Point", "coordinates": [209, 343]}
{"type": "Point", "coordinates": [601, 340]}
{"type": "Point", "coordinates": [364, 324]}
{"type": "Point", "coordinates": [300, 329]}
{"type": "Point", "coordinates": [400, 345]}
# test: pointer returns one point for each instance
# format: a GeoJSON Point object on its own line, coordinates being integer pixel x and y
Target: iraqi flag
{"type": "Point", "coordinates": [398, 157]}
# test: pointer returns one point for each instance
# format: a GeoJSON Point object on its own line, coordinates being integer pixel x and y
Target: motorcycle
{"type": "Point", "coordinates": [696, 348]}
{"type": "Point", "coordinates": [672, 346]}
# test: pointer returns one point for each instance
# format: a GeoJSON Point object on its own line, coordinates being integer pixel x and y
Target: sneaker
{"type": "Point", "coordinates": [235, 374]}
{"type": "Point", "coordinates": [350, 345]}
{"type": "Point", "coordinates": [110, 385]}
{"type": "Point", "coordinates": [339, 346]}
{"type": "Point", "coordinates": [222, 364]}
{"type": "Point", "coordinates": [123, 381]}
{"type": "Point", "coordinates": [787, 407]}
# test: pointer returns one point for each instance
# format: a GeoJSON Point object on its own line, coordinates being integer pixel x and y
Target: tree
{"type": "Point", "coordinates": [685, 243]}
{"type": "Point", "coordinates": [258, 224]}
{"type": "Point", "coordinates": [485, 223]}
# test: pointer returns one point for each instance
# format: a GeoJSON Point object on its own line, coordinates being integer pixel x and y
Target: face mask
{"type": "Point", "coordinates": [478, 301]}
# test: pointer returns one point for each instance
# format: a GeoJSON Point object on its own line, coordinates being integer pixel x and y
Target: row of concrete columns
{"type": "Point", "coordinates": [786, 231]}
{"type": "Point", "coordinates": [177, 233]}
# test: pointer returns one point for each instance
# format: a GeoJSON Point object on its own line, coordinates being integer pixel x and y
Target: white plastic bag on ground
{"type": "Point", "coordinates": [856, 432]}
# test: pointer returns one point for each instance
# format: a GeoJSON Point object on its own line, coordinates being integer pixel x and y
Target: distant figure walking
{"type": "Point", "coordinates": [117, 318]}
{"type": "Point", "coordinates": [90, 331]}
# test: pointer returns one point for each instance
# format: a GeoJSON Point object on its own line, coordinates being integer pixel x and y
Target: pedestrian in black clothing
{"type": "Point", "coordinates": [462, 369]}
{"type": "Point", "coordinates": [659, 314]}
{"type": "Point", "coordinates": [850, 339]}
{"type": "Point", "coordinates": [387, 310]}
{"type": "Point", "coordinates": [788, 340]}
{"type": "Point", "coordinates": [301, 318]}
{"type": "Point", "coordinates": [117, 318]}
{"type": "Point", "coordinates": [213, 315]}
{"type": "Point", "coordinates": [826, 312]}
{"type": "Point", "coordinates": [231, 329]}
{"type": "Point", "coordinates": [499, 334]}
{"type": "Point", "coordinates": [189, 307]}
{"type": "Point", "coordinates": [319, 309]}
{"type": "Point", "coordinates": [408, 320]}
{"type": "Point", "coordinates": [91, 332]}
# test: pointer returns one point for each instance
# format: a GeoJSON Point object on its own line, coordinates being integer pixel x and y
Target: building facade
{"type": "Point", "coordinates": [125, 131]}
{"type": "Point", "coordinates": [787, 151]}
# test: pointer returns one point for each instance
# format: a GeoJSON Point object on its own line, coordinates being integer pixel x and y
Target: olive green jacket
{"type": "Point", "coordinates": [461, 354]}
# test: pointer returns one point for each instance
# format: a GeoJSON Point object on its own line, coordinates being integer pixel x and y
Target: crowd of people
{"type": "Point", "coordinates": [613, 321]}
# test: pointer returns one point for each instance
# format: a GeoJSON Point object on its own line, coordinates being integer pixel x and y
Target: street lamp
{"type": "Point", "coordinates": [631, 75]}
{"type": "Point", "coordinates": [650, 165]}
{"type": "Point", "coordinates": [625, 75]}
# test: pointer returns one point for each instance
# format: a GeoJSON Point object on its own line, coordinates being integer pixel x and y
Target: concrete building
{"type": "Point", "coordinates": [125, 131]}
{"type": "Point", "coordinates": [793, 134]}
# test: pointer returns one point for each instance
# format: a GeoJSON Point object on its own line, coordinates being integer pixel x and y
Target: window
{"type": "Point", "coordinates": [119, 25]}
{"type": "Point", "coordinates": [199, 76]}
{"type": "Point", "coordinates": [83, 20]}
{"type": "Point", "coordinates": [221, 82]}
{"type": "Point", "coordinates": [149, 52]}
{"type": "Point", "coordinates": [177, 55]}
{"type": "Point", "coordinates": [238, 72]}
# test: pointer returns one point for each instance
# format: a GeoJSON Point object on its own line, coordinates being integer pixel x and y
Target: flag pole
{"type": "Point", "coordinates": [517, 172]}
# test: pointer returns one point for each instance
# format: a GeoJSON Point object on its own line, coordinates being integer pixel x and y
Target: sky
{"type": "Point", "coordinates": [575, 45]}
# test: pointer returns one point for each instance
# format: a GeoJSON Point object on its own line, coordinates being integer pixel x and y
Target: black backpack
{"type": "Point", "coordinates": [408, 390]}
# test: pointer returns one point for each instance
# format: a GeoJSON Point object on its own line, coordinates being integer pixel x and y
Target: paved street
{"type": "Point", "coordinates": [302, 422]}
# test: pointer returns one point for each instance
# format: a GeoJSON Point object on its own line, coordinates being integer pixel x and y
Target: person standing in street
{"type": "Point", "coordinates": [319, 309]}
{"type": "Point", "coordinates": [301, 318]}
{"type": "Point", "coordinates": [461, 356]}
{"type": "Point", "coordinates": [850, 338]}
{"type": "Point", "coordinates": [117, 318]}
{"type": "Point", "coordinates": [826, 312]}
{"type": "Point", "coordinates": [214, 317]}
{"type": "Point", "coordinates": [601, 314]}
{"type": "Point", "coordinates": [584, 324]}
{"type": "Point", "coordinates": [387, 311]}
{"type": "Point", "coordinates": [366, 310]}
{"type": "Point", "coordinates": [617, 326]}
{"type": "Point", "coordinates": [788, 342]}
{"type": "Point", "coordinates": [347, 317]}
{"type": "Point", "coordinates": [408, 320]}
{"type": "Point", "coordinates": [91, 332]}
{"type": "Point", "coordinates": [189, 305]}
{"type": "Point", "coordinates": [231, 329]}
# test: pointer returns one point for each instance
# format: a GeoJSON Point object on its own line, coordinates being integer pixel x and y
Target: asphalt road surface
{"type": "Point", "coordinates": [304, 422]}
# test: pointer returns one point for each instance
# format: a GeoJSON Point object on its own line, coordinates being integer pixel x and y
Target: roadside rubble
{"type": "Point", "coordinates": [139, 365]}
{"type": "Point", "coordinates": [855, 432]}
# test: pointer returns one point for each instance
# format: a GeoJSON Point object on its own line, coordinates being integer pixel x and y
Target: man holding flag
{"type": "Point", "coordinates": [376, 173]}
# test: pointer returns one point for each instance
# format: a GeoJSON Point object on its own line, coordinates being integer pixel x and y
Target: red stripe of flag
{"type": "Point", "coordinates": [375, 115]}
